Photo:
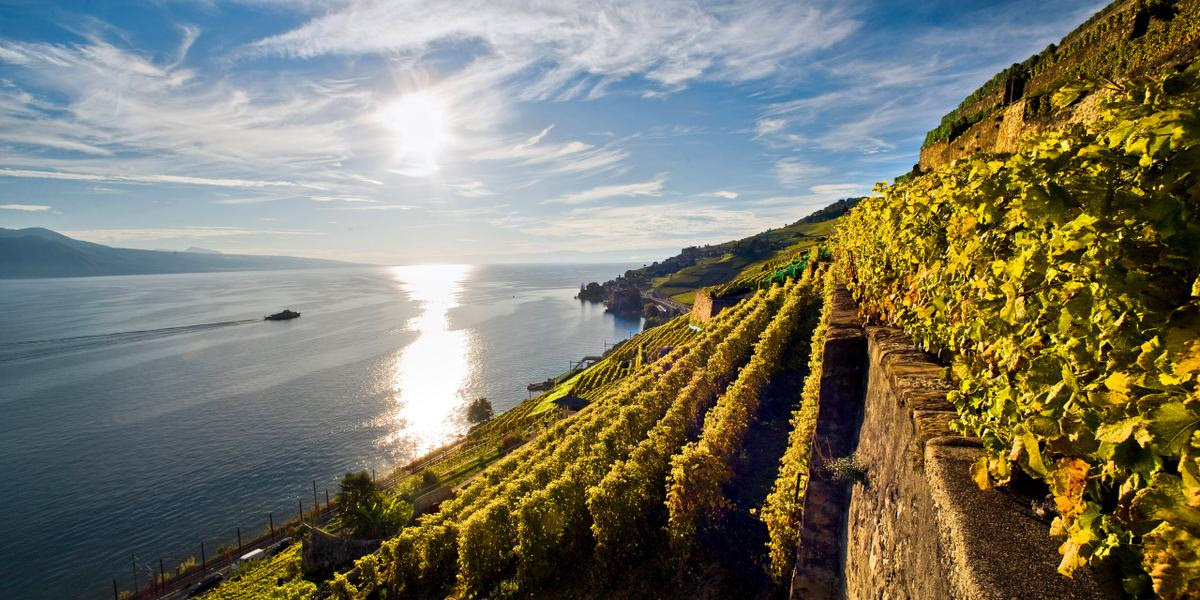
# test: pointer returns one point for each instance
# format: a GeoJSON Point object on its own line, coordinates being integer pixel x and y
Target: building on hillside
{"type": "Point", "coordinates": [706, 307]}
{"type": "Point", "coordinates": [570, 405]}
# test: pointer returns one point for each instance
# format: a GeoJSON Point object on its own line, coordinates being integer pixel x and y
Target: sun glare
{"type": "Point", "coordinates": [418, 122]}
{"type": "Point", "coordinates": [428, 375]}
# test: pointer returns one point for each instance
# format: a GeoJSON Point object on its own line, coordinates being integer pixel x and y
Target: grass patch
{"type": "Point", "coordinates": [274, 577]}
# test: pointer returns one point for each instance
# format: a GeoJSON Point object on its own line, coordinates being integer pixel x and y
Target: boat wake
{"type": "Point", "coordinates": [34, 349]}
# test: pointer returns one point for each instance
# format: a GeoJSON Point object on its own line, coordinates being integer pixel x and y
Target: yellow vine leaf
{"type": "Point", "coordinates": [1067, 483]}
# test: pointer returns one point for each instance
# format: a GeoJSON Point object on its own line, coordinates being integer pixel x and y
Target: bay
{"type": "Point", "coordinates": [143, 415]}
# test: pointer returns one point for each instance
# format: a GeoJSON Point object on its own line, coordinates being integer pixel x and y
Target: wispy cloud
{"type": "Point", "coordinates": [570, 157]}
{"type": "Point", "coordinates": [339, 198]}
{"type": "Point", "coordinates": [534, 139]}
{"type": "Point", "coordinates": [671, 42]}
{"type": "Point", "coordinates": [791, 172]}
{"type": "Point", "coordinates": [26, 207]}
{"type": "Point", "coordinates": [171, 179]}
{"type": "Point", "coordinates": [840, 189]}
{"type": "Point", "coordinates": [556, 114]}
{"type": "Point", "coordinates": [470, 189]}
{"type": "Point", "coordinates": [882, 92]}
{"type": "Point", "coordinates": [817, 196]}
{"type": "Point", "coordinates": [111, 99]}
{"type": "Point", "coordinates": [99, 111]}
{"type": "Point", "coordinates": [379, 207]}
{"type": "Point", "coordinates": [474, 212]}
{"type": "Point", "coordinates": [652, 187]}
{"type": "Point", "coordinates": [658, 225]}
{"type": "Point", "coordinates": [111, 236]}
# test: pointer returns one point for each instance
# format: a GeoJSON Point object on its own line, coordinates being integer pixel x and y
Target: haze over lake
{"type": "Point", "coordinates": [146, 414]}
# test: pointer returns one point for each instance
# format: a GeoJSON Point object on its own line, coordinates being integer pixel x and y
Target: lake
{"type": "Point", "coordinates": [143, 415]}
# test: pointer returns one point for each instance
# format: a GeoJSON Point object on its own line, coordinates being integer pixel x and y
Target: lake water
{"type": "Point", "coordinates": [142, 415]}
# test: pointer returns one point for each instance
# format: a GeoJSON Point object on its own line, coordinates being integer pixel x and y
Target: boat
{"type": "Point", "coordinates": [283, 315]}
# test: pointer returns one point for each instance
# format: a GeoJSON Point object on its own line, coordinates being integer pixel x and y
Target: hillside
{"type": "Point", "coordinates": [1062, 283]}
{"type": "Point", "coordinates": [1063, 84]}
{"type": "Point", "coordinates": [715, 393]}
{"type": "Point", "coordinates": [37, 252]}
{"type": "Point", "coordinates": [681, 276]}
{"type": "Point", "coordinates": [1038, 303]}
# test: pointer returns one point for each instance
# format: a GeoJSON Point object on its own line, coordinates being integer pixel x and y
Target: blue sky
{"type": "Point", "coordinates": [401, 132]}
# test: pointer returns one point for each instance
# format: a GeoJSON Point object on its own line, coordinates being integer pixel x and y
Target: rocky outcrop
{"type": "Point", "coordinates": [626, 302]}
{"type": "Point", "coordinates": [592, 292]}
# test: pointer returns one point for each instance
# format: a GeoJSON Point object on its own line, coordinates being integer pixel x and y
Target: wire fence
{"type": "Point", "coordinates": [149, 579]}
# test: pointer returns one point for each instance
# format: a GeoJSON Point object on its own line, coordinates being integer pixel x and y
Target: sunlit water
{"type": "Point", "coordinates": [143, 415]}
{"type": "Point", "coordinates": [429, 376]}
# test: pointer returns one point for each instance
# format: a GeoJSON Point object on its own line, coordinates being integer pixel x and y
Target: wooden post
{"type": "Point", "coordinates": [239, 530]}
{"type": "Point", "coordinates": [326, 498]}
{"type": "Point", "coordinates": [116, 594]}
{"type": "Point", "coordinates": [203, 559]}
{"type": "Point", "coordinates": [316, 503]}
{"type": "Point", "coordinates": [133, 564]}
{"type": "Point", "coordinates": [372, 473]}
{"type": "Point", "coordinates": [271, 524]}
{"type": "Point", "coordinates": [162, 574]}
{"type": "Point", "coordinates": [300, 505]}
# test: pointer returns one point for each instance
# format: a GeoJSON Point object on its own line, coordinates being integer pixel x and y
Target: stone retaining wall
{"type": "Point", "coordinates": [917, 526]}
{"type": "Point", "coordinates": [321, 551]}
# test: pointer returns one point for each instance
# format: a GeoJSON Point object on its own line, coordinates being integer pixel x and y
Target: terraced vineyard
{"type": "Point", "coordinates": [631, 355]}
{"type": "Point", "coordinates": [602, 488]}
{"type": "Point", "coordinates": [587, 486]}
{"type": "Point", "coordinates": [754, 276]}
{"type": "Point", "coordinates": [741, 262]}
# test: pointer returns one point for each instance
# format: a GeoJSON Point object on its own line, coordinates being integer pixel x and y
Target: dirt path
{"type": "Point", "coordinates": [738, 545]}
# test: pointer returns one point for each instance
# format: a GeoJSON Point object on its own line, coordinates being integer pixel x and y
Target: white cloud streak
{"type": "Point", "coordinates": [111, 236]}
{"type": "Point", "coordinates": [670, 42]}
{"type": "Point", "coordinates": [470, 189]}
{"type": "Point", "coordinates": [791, 172]}
{"type": "Point", "coordinates": [652, 187]}
{"type": "Point", "coordinates": [26, 207]}
{"type": "Point", "coordinates": [171, 179]}
{"type": "Point", "coordinates": [377, 207]}
{"type": "Point", "coordinates": [660, 225]}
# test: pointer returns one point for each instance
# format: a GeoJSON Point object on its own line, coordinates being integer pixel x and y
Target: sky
{"type": "Point", "coordinates": [461, 131]}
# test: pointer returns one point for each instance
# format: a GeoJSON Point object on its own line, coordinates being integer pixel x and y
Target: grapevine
{"type": "Point", "coordinates": [1063, 280]}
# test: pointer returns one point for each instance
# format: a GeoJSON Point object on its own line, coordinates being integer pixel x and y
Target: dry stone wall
{"type": "Point", "coordinates": [916, 526]}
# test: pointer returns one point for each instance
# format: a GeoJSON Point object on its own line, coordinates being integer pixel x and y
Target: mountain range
{"type": "Point", "coordinates": [39, 252]}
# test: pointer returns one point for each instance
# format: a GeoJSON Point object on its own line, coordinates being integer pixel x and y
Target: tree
{"type": "Point", "coordinates": [366, 511]}
{"type": "Point", "coordinates": [428, 477]}
{"type": "Point", "coordinates": [357, 489]}
{"type": "Point", "coordinates": [479, 411]}
{"type": "Point", "coordinates": [378, 519]}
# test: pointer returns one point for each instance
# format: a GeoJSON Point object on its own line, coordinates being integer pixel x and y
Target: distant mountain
{"type": "Point", "coordinates": [38, 252]}
{"type": "Point", "coordinates": [203, 250]}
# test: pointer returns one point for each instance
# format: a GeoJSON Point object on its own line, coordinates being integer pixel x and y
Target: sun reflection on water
{"type": "Point", "coordinates": [428, 375]}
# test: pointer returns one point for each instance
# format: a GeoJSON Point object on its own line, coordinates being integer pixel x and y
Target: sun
{"type": "Point", "coordinates": [419, 125]}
